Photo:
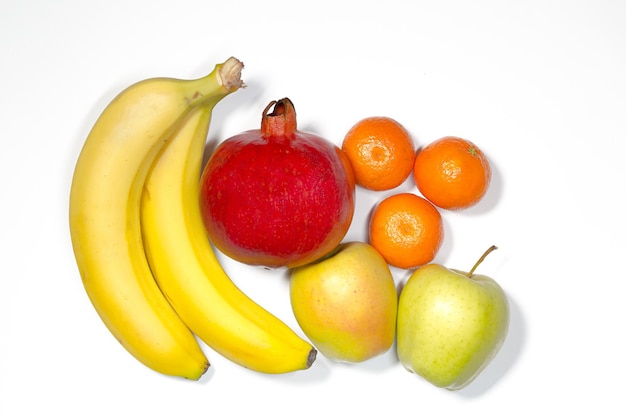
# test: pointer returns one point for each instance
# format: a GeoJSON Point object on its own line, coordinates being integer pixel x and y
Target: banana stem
{"type": "Point", "coordinates": [230, 74]}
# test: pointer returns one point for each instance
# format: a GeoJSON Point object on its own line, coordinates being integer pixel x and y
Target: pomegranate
{"type": "Point", "coordinates": [276, 196]}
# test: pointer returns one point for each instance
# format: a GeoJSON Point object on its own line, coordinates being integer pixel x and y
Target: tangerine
{"type": "Point", "coordinates": [406, 229]}
{"type": "Point", "coordinates": [381, 153]}
{"type": "Point", "coordinates": [452, 173]}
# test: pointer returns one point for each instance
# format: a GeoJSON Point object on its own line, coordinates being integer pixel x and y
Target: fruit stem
{"type": "Point", "coordinates": [281, 122]}
{"type": "Point", "coordinates": [229, 74]}
{"type": "Point", "coordinates": [482, 258]}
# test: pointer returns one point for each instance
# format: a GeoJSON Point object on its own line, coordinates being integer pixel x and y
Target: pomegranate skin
{"type": "Point", "coordinates": [280, 201]}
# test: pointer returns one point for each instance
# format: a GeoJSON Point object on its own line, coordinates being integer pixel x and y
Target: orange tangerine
{"type": "Point", "coordinates": [381, 153]}
{"type": "Point", "coordinates": [407, 230]}
{"type": "Point", "coordinates": [452, 173]}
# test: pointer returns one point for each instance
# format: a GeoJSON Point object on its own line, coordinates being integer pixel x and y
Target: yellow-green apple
{"type": "Point", "coordinates": [451, 324]}
{"type": "Point", "coordinates": [346, 303]}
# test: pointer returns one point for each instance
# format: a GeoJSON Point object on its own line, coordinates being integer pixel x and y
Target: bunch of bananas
{"type": "Point", "coordinates": [139, 242]}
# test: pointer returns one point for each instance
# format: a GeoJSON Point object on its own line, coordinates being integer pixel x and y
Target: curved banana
{"type": "Point", "coordinates": [104, 215]}
{"type": "Point", "coordinates": [189, 274]}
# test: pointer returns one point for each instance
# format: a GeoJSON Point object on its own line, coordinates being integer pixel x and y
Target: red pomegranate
{"type": "Point", "coordinates": [277, 197]}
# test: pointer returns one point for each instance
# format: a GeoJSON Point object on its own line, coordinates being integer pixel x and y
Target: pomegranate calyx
{"type": "Point", "coordinates": [281, 122]}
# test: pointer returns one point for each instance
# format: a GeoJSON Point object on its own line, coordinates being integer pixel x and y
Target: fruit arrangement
{"type": "Point", "coordinates": [144, 216]}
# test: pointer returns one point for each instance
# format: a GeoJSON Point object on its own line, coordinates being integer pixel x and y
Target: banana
{"type": "Point", "coordinates": [189, 274]}
{"type": "Point", "coordinates": [104, 215]}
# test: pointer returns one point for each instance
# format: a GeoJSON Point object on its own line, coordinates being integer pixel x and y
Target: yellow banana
{"type": "Point", "coordinates": [189, 274]}
{"type": "Point", "coordinates": [104, 215]}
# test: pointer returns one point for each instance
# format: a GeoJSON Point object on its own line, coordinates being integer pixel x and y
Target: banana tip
{"type": "Point", "coordinates": [311, 358]}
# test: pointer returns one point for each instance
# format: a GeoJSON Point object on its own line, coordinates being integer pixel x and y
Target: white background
{"type": "Point", "coordinates": [540, 86]}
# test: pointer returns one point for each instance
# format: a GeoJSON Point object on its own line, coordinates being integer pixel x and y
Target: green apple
{"type": "Point", "coordinates": [346, 303]}
{"type": "Point", "coordinates": [451, 324]}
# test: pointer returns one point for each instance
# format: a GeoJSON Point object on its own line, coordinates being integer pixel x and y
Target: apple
{"type": "Point", "coordinates": [346, 303]}
{"type": "Point", "coordinates": [451, 324]}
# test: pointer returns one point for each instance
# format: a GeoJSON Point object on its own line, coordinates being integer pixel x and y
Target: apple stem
{"type": "Point", "coordinates": [482, 258]}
